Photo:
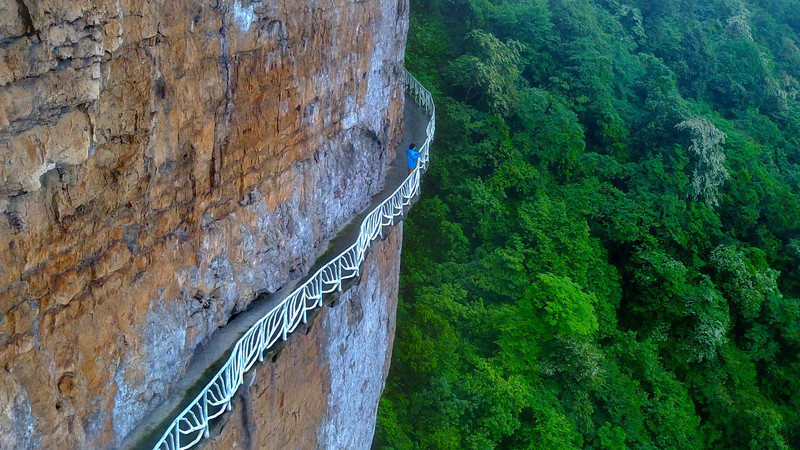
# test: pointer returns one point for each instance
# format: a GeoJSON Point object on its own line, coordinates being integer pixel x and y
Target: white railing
{"type": "Point", "coordinates": [193, 423]}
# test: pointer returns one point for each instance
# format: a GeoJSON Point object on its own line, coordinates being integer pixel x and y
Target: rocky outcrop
{"type": "Point", "coordinates": [322, 389]}
{"type": "Point", "coordinates": [161, 162]}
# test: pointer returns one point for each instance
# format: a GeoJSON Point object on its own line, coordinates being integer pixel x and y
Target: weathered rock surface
{"type": "Point", "coordinates": [322, 391]}
{"type": "Point", "coordinates": [161, 162]}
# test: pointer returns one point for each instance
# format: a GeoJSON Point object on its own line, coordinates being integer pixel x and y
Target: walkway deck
{"type": "Point", "coordinates": [209, 359]}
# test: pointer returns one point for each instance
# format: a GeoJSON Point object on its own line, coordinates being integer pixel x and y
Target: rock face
{"type": "Point", "coordinates": [161, 162]}
{"type": "Point", "coordinates": [322, 391]}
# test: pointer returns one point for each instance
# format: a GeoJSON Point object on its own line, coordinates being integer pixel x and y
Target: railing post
{"type": "Point", "coordinates": [305, 299]}
{"type": "Point", "coordinates": [285, 320]}
{"type": "Point", "coordinates": [339, 274]}
{"type": "Point", "coordinates": [229, 388]}
{"type": "Point", "coordinates": [262, 337]}
{"type": "Point", "coordinates": [205, 415]}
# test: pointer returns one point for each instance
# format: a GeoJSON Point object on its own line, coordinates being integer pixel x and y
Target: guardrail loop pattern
{"type": "Point", "coordinates": [193, 423]}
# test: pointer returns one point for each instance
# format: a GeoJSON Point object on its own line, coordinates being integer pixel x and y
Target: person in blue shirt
{"type": "Point", "coordinates": [413, 156]}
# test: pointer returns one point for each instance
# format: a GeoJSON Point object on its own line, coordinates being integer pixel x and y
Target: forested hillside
{"type": "Point", "coordinates": [607, 251]}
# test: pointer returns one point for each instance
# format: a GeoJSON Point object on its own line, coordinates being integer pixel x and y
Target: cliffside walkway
{"type": "Point", "coordinates": [212, 378]}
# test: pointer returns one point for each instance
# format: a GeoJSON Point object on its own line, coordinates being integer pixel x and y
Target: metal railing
{"type": "Point", "coordinates": [192, 424]}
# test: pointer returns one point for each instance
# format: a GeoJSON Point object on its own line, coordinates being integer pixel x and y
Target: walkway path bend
{"type": "Point", "coordinates": [217, 370]}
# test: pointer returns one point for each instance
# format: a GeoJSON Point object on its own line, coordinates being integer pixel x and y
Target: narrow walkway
{"type": "Point", "coordinates": [415, 119]}
{"type": "Point", "coordinates": [208, 360]}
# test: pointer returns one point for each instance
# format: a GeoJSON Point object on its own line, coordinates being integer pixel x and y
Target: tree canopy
{"type": "Point", "coordinates": [606, 251]}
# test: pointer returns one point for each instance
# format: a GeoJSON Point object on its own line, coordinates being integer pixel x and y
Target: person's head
{"type": "Point", "coordinates": [412, 146]}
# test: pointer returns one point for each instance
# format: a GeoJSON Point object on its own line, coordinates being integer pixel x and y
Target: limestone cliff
{"type": "Point", "coordinates": [323, 388]}
{"type": "Point", "coordinates": [161, 163]}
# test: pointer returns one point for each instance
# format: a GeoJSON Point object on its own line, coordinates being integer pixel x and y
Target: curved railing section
{"type": "Point", "coordinates": [192, 424]}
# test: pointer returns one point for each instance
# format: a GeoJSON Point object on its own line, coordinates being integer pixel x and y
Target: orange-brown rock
{"type": "Point", "coordinates": [161, 162]}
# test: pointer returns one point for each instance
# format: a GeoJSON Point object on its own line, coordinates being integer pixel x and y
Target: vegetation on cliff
{"type": "Point", "coordinates": [607, 252]}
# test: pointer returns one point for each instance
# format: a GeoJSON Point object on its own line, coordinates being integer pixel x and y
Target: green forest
{"type": "Point", "coordinates": [606, 251]}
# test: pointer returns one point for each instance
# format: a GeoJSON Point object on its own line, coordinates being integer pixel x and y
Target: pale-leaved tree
{"type": "Point", "coordinates": [709, 172]}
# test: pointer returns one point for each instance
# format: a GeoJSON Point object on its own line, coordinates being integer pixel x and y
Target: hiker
{"type": "Point", "coordinates": [413, 156]}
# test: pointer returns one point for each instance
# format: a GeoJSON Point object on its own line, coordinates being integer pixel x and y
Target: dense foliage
{"type": "Point", "coordinates": [607, 251]}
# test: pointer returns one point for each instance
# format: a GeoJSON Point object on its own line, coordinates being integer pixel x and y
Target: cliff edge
{"type": "Point", "coordinates": [163, 162]}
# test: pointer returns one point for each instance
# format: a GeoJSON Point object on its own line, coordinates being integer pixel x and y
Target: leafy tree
{"type": "Point", "coordinates": [709, 173]}
{"type": "Point", "coordinates": [606, 251]}
{"type": "Point", "coordinates": [488, 72]}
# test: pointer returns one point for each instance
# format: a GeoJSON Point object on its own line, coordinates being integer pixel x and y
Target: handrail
{"type": "Point", "coordinates": [193, 423]}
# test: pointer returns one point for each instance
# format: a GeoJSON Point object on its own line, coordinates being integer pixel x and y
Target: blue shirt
{"type": "Point", "coordinates": [413, 156]}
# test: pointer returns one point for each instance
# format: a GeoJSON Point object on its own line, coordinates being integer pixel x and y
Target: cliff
{"type": "Point", "coordinates": [162, 163]}
{"type": "Point", "coordinates": [322, 389]}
